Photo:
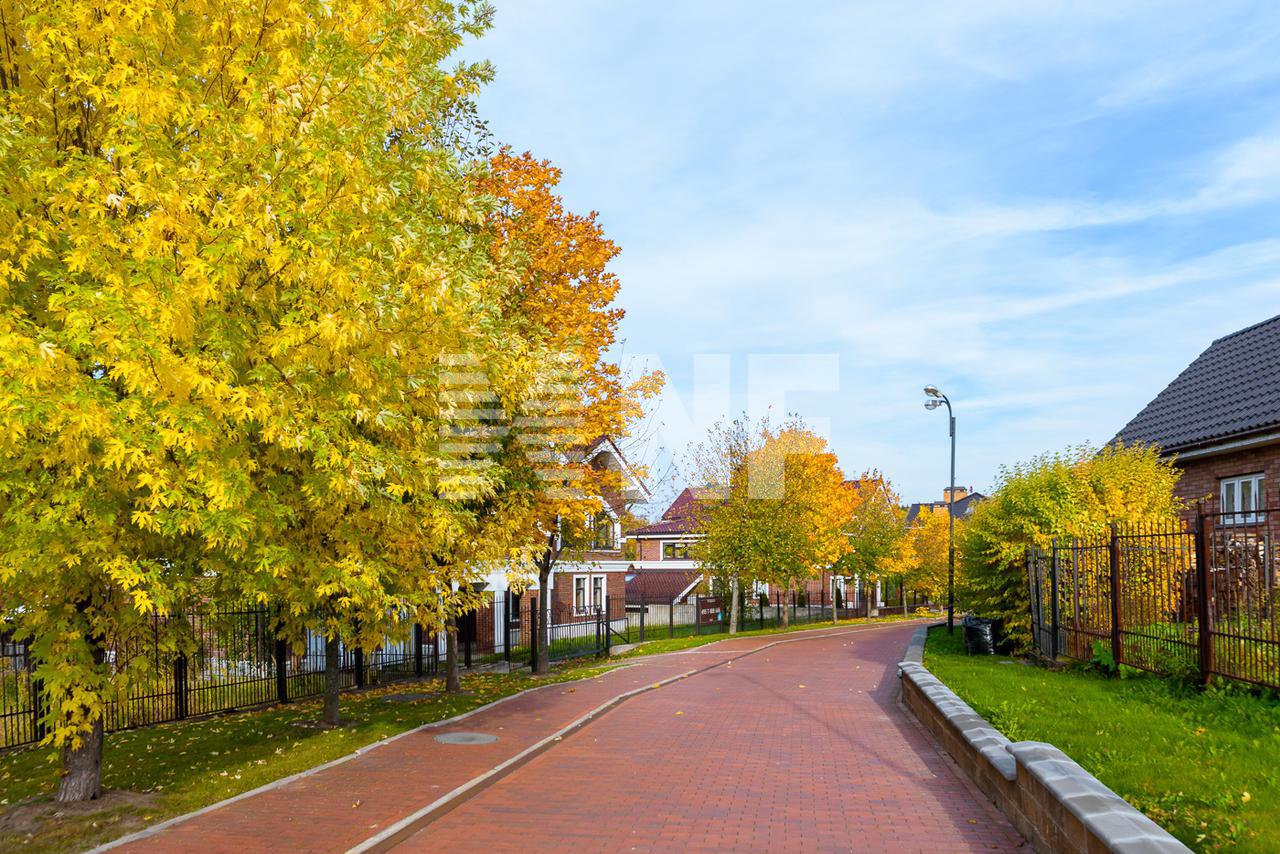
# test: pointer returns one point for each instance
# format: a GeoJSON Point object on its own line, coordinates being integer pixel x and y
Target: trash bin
{"type": "Point", "coordinates": [979, 636]}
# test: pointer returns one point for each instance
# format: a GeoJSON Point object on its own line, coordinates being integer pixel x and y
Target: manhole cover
{"type": "Point", "coordinates": [466, 738]}
{"type": "Point", "coordinates": [407, 698]}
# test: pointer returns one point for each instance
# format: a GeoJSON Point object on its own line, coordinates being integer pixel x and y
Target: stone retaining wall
{"type": "Point", "coordinates": [1052, 801]}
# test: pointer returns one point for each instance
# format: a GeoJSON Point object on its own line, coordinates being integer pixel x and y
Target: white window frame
{"type": "Point", "coordinates": [599, 592]}
{"type": "Point", "coordinates": [1231, 492]}
{"type": "Point", "coordinates": [580, 606]}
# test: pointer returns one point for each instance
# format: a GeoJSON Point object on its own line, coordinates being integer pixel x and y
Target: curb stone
{"type": "Point", "coordinates": [1057, 804]}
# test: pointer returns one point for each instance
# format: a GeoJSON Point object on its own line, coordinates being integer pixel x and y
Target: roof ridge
{"type": "Point", "coordinates": [1243, 331]}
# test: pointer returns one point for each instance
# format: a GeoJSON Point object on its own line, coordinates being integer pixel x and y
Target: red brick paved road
{"type": "Point", "coordinates": [858, 775]}
{"type": "Point", "coordinates": [800, 747]}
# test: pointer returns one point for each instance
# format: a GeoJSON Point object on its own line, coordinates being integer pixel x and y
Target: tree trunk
{"type": "Point", "coordinates": [543, 639]}
{"type": "Point", "coordinates": [332, 680]}
{"type": "Point", "coordinates": [82, 768]}
{"type": "Point", "coordinates": [734, 606]}
{"type": "Point", "coordinates": [452, 682]}
{"type": "Point", "coordinates": [783, 602]}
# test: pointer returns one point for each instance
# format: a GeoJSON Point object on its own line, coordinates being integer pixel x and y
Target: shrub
{"type": "Point", "coordinates": [1073, 493]}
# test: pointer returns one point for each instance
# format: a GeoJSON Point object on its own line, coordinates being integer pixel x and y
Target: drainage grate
{"type": "Point", "coordinates": [466, 738]}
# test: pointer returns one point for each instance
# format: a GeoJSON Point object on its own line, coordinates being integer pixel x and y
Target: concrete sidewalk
{"type": "Point", "coordinates": [343, 805]}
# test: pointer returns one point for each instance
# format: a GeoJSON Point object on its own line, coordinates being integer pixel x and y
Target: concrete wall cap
{"type": "Point", "coordinates": [1107, 816]}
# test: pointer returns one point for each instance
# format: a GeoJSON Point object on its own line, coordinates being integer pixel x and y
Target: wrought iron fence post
{"type": "Point", "coordinates": [608, 628]}
{"type": "Point", "coordinates": [180, 685]}
{"type": "Point", "coordinates": [671, 619]}
{"type": "Point", "coordinates": [1113, 552]}
{"type": "Point", "coordinates": [533, 634]}
{"type": "Point", "coordinates": [506, 628]}
{"type": "Point", "coordinates": [359, 662]}
{"type": "Point", "coordinates": [282, 674]}
{"type": "Point", "coordinates": [1053, 603]}
{"type": "Point", "coordinates": [417, 650]}
{"type": "Point", "coordinates": [37, 694]}
{"type": "Point", "coordinates": [1204, 608]}
{"type": "Point", "coordinates": [697, 614]}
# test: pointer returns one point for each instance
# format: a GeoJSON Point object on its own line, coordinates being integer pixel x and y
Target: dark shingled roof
{"type": "Point", "coordinates": [1230, 391]}
{"type": "Point", "coordinates": [963, 509]}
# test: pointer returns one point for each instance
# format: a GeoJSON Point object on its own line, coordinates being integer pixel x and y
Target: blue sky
{"type": "Point", "coordinates": [1047, 209]}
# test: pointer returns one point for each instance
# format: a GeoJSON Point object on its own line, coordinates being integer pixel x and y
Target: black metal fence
{"type": "Point", "coordinates": [231, 660]}
{"type": "Point", "coordinates": [1187, 598]}
{"type": "Point", "coordinates": [710, 614]}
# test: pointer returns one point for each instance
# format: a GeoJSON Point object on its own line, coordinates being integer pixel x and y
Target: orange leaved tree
{"type": "Point", "coordinates": [565, 293]}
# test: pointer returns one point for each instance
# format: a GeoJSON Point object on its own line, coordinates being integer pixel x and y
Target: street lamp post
{"type": "Point", "coordinates": [936, 399]}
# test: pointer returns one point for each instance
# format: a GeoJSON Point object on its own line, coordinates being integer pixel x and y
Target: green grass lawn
{"type": "Point", "coordinates": [653, 647]}
{"type": "Point", "coordinates": [166, 770]}
{"type": "Point", "coordinates": [1205, 765]}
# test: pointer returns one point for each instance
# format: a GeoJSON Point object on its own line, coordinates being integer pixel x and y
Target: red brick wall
{"type": "Point", "coordinates": [1200, 477]}
{"type": "Point", "coordinates": [562, 590]}
{"type": "Point", "coordinates": [650, 549]}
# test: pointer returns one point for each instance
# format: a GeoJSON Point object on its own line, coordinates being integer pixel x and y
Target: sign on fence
{"type": "Point", "coordinates": [710, 610]}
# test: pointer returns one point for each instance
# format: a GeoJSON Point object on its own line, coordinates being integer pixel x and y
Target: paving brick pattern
{"type": "Point", "coordinates": [754, 762]}
{"type": "Point", "coordinates": [801, 747]}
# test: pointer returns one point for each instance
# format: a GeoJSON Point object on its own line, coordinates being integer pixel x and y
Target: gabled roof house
{"type": "Point", "coordinates": [966, 500]}
{"type": "Point", "coordinates": [1220, 420]}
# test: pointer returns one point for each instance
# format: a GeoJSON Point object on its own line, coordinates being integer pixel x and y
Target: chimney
{"type": "Point", "coordinates": [961, 492]}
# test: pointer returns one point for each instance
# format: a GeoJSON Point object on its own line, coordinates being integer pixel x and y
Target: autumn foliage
{"type": "Point", "coordinates": [782, 504]}
{"type": "Point", "coordinates": [244, 255]}
{"type": "Point", "coordinates": [1074, 493]}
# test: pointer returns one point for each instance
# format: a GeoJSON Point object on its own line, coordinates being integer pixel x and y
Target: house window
{"type": "Point", "coordinates": [1242, 499]}
{"type": "Point", "coordinates": [597, 592]}
{"type": "Point", "coordinates": [605, 538]}
{"type": "Point", "coordinates": [580, 594]}
{"type": "Point", "coordinates": [675, 551]}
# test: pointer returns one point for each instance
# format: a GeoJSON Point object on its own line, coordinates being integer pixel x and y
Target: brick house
{"type": "Point", "coordinates": [582, 582]}
{"type": "Point", "coordinates": [966, 499]}
{"type": "Point", "coordinates": [1220, 421]}
{"type": "Point", "coordinates": [664, 569]}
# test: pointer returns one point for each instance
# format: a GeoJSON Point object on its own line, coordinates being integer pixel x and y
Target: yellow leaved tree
{"type": "Point", "coordinates": [236, 241]}
{"type": "Point", "coordinates": [783, 509]}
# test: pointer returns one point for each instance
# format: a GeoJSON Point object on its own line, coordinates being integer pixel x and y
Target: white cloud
{"type": "Point", "coordinates": [1050, 207]}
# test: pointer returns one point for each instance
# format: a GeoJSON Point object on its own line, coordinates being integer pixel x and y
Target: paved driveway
{"type": "Point", "coordinates": [792, 743]}
{"type": "Point", "coordinates": [798, 747]}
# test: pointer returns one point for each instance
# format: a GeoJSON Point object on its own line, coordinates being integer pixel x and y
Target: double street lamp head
{"type": "Point", "coordinates": [936, 398]}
